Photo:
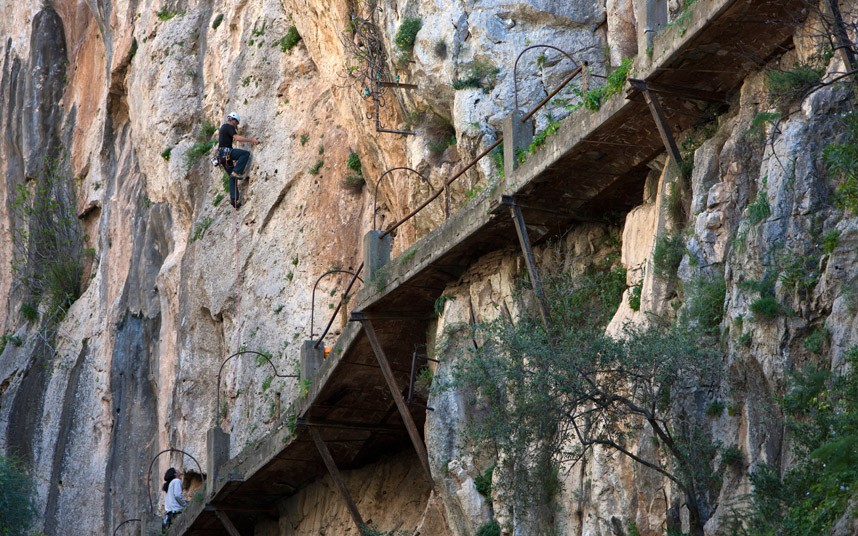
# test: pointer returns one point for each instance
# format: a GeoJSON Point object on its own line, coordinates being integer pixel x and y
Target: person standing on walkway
{"type": "Point", "coordinates": [174, 503]}
{"type": "Point", "coordinates": [239, 158]}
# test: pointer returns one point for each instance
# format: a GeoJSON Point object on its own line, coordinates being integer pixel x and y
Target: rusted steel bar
{"type": "Point", "coordinates": [378, 183]}
{"type": "Point", "coordinates": [337, 310]}
{"type": "Point", "coordinates": [660, 119]}
{"type": "Point", "coordinates": [446, 183]}
{"type": "Point", "coordinates": [237, 354]}
{"type": "Point", "coordinates": [515, 68]}
{"type": "Point", "coordinates": [400, 85]}
{"type": "Point", "coordinates": [384, 364]}
{"type": "Point", "coordinates": [551, 95]}
{"type": "Point", "coordinates": [529, 260]}
{"type": "Point", "coordinates": [335, 475]}
{"type": "Point", "coordinates": [227, 523]}
{"type": "Point", "coordinates": [313, 298]}
{"type": "Point", "coordinates": [149, 473]}
{"type": "Point", "coordinates": [123, 523]}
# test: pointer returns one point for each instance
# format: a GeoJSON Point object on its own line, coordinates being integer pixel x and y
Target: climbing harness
{"type": "Point", "coordinates": [222, 158]}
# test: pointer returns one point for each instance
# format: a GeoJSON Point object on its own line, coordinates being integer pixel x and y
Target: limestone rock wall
{"type": "Point", "coordinates": [174, 281]}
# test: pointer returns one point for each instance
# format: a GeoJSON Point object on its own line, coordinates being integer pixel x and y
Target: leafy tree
{"type": "Point", "coordinates": [545, 399]}
{"type": "Point", "coordinates": [17, 508]}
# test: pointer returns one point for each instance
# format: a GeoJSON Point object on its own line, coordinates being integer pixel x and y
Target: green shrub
{"type": "Point", "coordinates": [758, 124]}
{"type": "Point", "coordinates": [667, 254]}
{"type": "Point", "coordinates": [49, 249]}
{"type": "Point", "coordinates": [165, 154]}
{"type": "Point", "coordinates": [316, 167]}
{"type": "Point", "coordinates": [201, 228]}
{"type": "Point", "coordinates": [766, 307]}
{"type": "Point", "coordinates": [354, 164]}
{"type": "Point", "coordinates": [616, 80]}
{"type": "Point", "coordinates": [489, 528]}
{"type": "Point", "coordinates": [830, 240]}
{"type": "Point", "coordinates": [203, 145]}
{"type": "Point", "coordinates": [733, 456]}
{"type": "Point", "coordinates": [7, 338]}
{"type": "Point", "coordinates": [288, 41]}
{"type": "Point", "coordinates": [478, 74]}
{"type": "Point", "coordinates": [841, 161]}
{"type": "Point", "coordinates": [715, 409]}
{"type": "Point", "coordinates": [165, 14]}
{"type": "Point", "coordinates": [304, 139]}
{"type": "Point", "coordinates": [705, 303]}
{"type": "Point", "coordinates": [635, 297]}
{"type": "Point", "coordinates": [407, 33]}
{"type": "Point", "coordinates": [217, 199]}
{"type": "Point", "coordinates": [760, 209]}
{"type": "Point", "coordinates": [821, 411]}
{"type": "Point", "coordinates": [483, 482]}
{"type": "Point", "coordinates": [816, 341]}
{"type": "Point", "coordinates": [29, 311]}
{"type": "Point", "coordinates": [217, 20]}
{"type": "Point", "coordinates": [17, 505]}
{"type": "Point", "coordinates": [787, 86]}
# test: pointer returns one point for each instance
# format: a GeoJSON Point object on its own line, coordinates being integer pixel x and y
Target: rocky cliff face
{"type": "Point", "coordinates": [115, 97]}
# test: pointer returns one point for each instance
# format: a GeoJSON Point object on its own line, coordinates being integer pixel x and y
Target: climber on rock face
{"type": "Point", "coordinates": [239, 158]}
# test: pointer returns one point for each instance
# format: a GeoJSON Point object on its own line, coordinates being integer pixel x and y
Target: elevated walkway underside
{"type": "Point", "coordinates": [595, 165]}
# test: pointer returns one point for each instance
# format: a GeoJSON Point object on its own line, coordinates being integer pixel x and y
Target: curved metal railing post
{"type": "Point", "coordinates": [515, 67]}
{"type": "Point", "coordinates": [313, 298]}
{"type": "Point", "coordinates": [149, 474]}
{"type": "Point", "coordinates": [340, 304]}
{"type": "Point", "coordinates": [124, 522]}
{"type": "Point", "coordinates": [378, 183]}
{"type": "Point", "coordinates": [237, 354]}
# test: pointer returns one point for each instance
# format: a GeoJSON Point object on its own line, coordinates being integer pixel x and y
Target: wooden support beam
{"type": "Point", "coordinates": [685, 92]}
{"type": "Point", "coordinates": [527, 250]}
{"type": "Point", "coordinates": [344, 425]}
{"type": "Point", "coordinates": [335, 475]}
{"type": "Point", "coordinates": [660, 119]}
{"type": "Point", "coordinates": [404, 412]}
{"type": "Point", "coordinates": [227, 524]}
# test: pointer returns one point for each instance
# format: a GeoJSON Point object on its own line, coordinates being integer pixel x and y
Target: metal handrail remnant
{"type": "Point", "coordinates": [446, 184]}
{"type": "Point", "coordinates": [573, 74]}
{"type": "Point", "coordinates": [237, 354]}
{"type": "Point", "coordinates": [403, 168]}
{"type": "Point", "coordinates": [339, 305]}
{"type": "Point", "coordinates": [313, 299]}
{"type": "Point", "coordinates": [149, 474]}
{"type": "Point", "coordinates": [123, 523]}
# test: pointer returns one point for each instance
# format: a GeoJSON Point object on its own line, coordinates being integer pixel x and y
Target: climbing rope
{"type": "Point", "coordinates": [238, 302]}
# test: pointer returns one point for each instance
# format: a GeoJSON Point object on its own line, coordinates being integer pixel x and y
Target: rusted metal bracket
{"type": "Point", "coordinates": [227, 523]}
{"type": "Point", "coordinates": [384, 364]}
{"type": "Point", "coordinates": [335, 474]}
{"type": "Point", "coordinates": [659, 117]}
{"type": "Point", "coordinates": [535, 280]}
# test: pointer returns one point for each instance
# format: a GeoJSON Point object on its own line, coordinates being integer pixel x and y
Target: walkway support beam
{"type": "Point", "coordinates": [384, 364]}
{"type": "Point", "coordinates": [335, 475]}
{"type": "Point", "coordinates": [529, 260]}
{"type": "Point", "coordinates": [660, 119]}
{"type": "Point", "coordinates": [227, 523]}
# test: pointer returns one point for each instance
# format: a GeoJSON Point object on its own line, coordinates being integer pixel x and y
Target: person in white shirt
{"type": "Point", "coordinates": [174, 503]}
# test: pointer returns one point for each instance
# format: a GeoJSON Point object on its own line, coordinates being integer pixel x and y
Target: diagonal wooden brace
{"type": "Point", "coordinates": [659, 117]}
{"type": "Point", "coordinates": [227, 523]}
{"type": "Point", "coordinates": [527, 251]}
{"type": "Point", "coordinates": [384, 364]}
{"type": "Point", "coordinates": [338, 480]}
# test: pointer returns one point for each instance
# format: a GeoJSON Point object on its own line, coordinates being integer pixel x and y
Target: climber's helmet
{"type": "Point", "coordinates": [234, 117]}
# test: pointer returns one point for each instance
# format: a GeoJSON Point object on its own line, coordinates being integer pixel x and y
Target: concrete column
{"type": "Point", "coordinates": [376, 253]}
{"type": "Point", "coordinates": [516, 135]}
{"type": "Point", "coordinates": [651, 17]}
{"type": "Point", "coordinates": [217, 448]}
{"type": "Point", "coordinates": [311, 359]}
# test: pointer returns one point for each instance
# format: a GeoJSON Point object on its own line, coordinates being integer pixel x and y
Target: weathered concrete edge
{"type": "Point", "coordinates": [428, 249]}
